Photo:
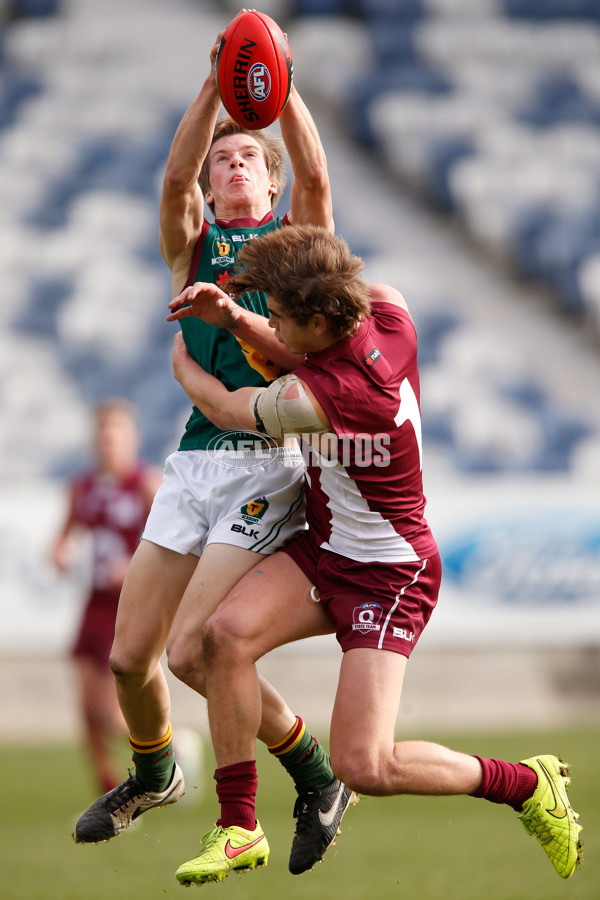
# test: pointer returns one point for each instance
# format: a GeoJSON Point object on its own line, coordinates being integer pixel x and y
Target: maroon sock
{"type": "Point", "coordinates": [504, 782]}
{"type": "Point", "coordinates": [236, 790]}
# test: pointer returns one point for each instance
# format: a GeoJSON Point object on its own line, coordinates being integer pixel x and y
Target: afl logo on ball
{"type": "Point", "coordinates": [259, 82]}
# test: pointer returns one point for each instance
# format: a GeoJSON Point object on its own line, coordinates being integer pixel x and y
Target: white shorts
{"type": "Point", "coordinates": [254, 501]}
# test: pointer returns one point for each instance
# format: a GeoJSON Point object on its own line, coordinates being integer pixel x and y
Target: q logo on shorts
{"type": "Point", "coordinates": [366, 617]}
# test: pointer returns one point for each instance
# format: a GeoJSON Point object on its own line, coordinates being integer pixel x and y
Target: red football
{"type": "Point", "coordinates": [254, 69]}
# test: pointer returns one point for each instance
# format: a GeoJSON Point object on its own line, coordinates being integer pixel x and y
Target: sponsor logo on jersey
{"type": "Point", "coordinates": [242, 238]}
{"type": "Point", "coordinates": [222, 253]}
{"type": "Point", "coordinates": [255, 509]}
{"type": "Point", "coordinates": [221, 279]}
{"type": "Point", "coordinates": [366, 617]}
{"type": "Point", "coordinates": [259, 82]}
{"type": "Point", "coordinates": [371, 358]}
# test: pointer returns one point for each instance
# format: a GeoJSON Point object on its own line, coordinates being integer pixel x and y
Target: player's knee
{"type": "Point", "coordinates": [214, 640]}
{"type": "Point", "coordinates": [361, 770]}
{"type": "Point", "coordinates": [221, 639]}
{"type": "Point", "coordinates": [127, 666]}
{"type": "Point", "coordinates": [186, 661]}
{"type": "Point", "coordinates": [120, 667]}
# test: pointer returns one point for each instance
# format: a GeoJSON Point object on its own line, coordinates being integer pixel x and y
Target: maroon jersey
{"type": "Point", "coordinates": [365, 492]}
{"type": "Point", "coordinates": [114, 512]}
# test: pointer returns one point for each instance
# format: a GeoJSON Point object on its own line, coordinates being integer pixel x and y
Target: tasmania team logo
{"type": "Point", "coordinates": [222, 254]}
{"type": "Point", "coordinates": [255, 509]}
{"type": "Point", "coordinates": [259, 81]}
{"type": "Point", "coordinates": [366, 617]}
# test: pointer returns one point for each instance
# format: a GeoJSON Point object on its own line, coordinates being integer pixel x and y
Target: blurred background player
{"type": "Point", "coordinates": [212, 516]}
{"type": "Point", "coordinates": [107, 504]}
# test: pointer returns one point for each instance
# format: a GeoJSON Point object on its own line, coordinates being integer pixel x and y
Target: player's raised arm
{"type": "Point", "coordinates": [311, 191]}
{"type": "Point", "coordinates": [182, 204]}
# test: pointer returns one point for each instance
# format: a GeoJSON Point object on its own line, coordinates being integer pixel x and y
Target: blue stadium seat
{"type": "Point", "coordinates": [26, 9]}
{"type": "Point", "coordinates": [393, 43]}
{"type": "Point", "coordinates": [442, 154]}
{"type": "Point", "coordinates": [390, 10]}
{"type": "Point", "coordinates": [552, 9]}
{"type": "Point", "coordinates": [322, 8]}
{"type": "Point", "coordinates": [432, 327]}
{"type": "Point", "coordinates": [561, 249]}
{"type": "Point", "coordinates": [39, 316]}
{"type": "Point", "coordinates": [562, 435]}
{"type": "Point", "coordinates": [15, 88]}
{"type": "Point", "coordinates": [413, 76]}
{"type": "Point", "coordinates": [559, 98]}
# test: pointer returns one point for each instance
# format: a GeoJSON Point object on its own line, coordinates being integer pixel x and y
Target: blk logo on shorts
{"type": "Point", "coordinates": [366, 617]}
{"type": "Point", "coordinates": [404, 635]}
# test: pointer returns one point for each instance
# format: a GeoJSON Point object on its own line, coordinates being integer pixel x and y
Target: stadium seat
{"type": "Point", "coordinates": [560, 98]}
{"type": "Point", "coordinates": [371, 84]}
{"type": "Point", "coordinates": [39, 316]}
{"type": "Point", "coordinates": [15, 88]}
{"type": "Point", "coordinates": [301, 8]}
{"type": "Point", "coordinates": [552, 9]}
{"type": "Point", "coordinates": [389, 10]}
{"type": "Point", "coordinates": [588, 277]}
{"type": "Point", "coordinates": [24, 9]}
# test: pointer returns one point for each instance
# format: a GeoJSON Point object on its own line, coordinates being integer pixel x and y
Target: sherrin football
{"type": "Point", "coordinates": [254, 69]}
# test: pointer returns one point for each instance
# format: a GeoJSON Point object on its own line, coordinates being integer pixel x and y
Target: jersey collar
{"type": "Point", "coordinates": [245, 223]}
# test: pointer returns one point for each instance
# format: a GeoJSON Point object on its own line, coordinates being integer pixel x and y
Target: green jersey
{"type": "Point", "coordinates": [220, 352]}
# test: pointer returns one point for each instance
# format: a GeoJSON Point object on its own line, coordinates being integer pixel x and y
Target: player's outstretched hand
{"type": "Point", "coordinates": [207, 302]}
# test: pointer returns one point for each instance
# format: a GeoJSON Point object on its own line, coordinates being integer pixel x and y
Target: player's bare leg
{"type": "Point", "coordinates": [219, 569]}
{"type": "Point", "coordinates": [365, 756]}
{"type": "Point", "coordinates": [155, 582]}
{"type": "Point", "coordinates": [269, 607]}
{"type": "Point", "coordinates": [363, 751]}
{"type": "Point", "coordinates": [282, 610]}
{"type": "Point", "coordinates": [152, 591]}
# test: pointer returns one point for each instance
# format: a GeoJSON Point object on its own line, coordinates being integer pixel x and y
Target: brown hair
{"type": "Point", "coordinates": [307, 270]}
{"type": "Point", "coordinates": [272, 147]}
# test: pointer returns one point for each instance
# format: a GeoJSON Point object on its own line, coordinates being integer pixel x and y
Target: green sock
{"type": "Point", "coordinates": [154, 761]}
{"type": "Point", "coordinates": [304, 758]}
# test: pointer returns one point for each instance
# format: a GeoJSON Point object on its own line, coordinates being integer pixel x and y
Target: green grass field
{"type": "Point", "coordinates": [402, 847]}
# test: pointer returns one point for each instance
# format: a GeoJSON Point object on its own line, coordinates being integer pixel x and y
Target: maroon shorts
{"type": "Point", "coordinates": [378, 605]}
{"type": "Point", "coordinates": [97, 629]}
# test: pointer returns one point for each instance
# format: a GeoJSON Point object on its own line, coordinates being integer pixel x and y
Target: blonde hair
{"type": "Point", "coordinates": [116, 404]}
